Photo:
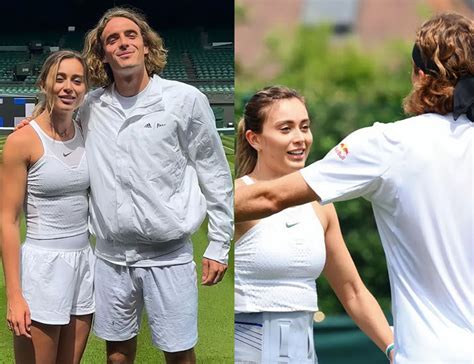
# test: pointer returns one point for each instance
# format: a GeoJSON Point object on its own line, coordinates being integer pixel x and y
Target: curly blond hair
{"type": "Point", "coordinates": [100, 73]}
{"type": "Point", "coordinates": [447, 41]}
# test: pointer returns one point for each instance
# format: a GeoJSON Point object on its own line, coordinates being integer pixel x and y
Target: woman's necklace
{"type": "Point", "coordinates": [66, 133]}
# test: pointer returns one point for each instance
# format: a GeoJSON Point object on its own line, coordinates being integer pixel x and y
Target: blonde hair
{"type": "Point", "coordinates": [255, 114]}
{"type": "Point", "coordinates": [47, 79]}
{"type": "Point", "coordinates": [447, 41]}
{"type": "Point", "coordinates": [101, 73]}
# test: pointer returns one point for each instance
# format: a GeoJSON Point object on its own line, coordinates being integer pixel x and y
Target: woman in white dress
{"type": "Point", "coordinates": [278, 258]}
{"type": "Point", "coordinates": [49, 280]}
{"type": "Point", "coordinates": [418, 175]}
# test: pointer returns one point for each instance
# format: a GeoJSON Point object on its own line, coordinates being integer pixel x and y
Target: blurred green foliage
{"type": "Point", "coordinates": [346, 87]}
{"type": "Point", "coordinates": [239, 13]}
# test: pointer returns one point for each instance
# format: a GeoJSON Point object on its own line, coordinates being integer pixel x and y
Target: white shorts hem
{"type": "Point", "coordinates": [175, 349]}
{"type": "Point", "coordinates": [82, 312]}
{"type": "Point", "coordinates": [110, 338]}
{"type": "Point", "coordinates": [50, 322]}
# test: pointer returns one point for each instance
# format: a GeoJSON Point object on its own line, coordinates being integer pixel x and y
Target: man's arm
{"type": "Point", "coordinates": [207, 154]}
{"type": "Point", "coordinates": [351, 169]}
{"type": "Point", "coordinates": [263, 199]}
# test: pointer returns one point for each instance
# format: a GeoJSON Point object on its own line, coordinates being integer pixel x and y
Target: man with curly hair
{"type": "Point", "coordinates": [157, 168]}
{"type": "Point", "coordinates": [418, 174]}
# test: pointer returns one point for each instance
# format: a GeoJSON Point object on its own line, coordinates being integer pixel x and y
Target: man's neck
{"type": "Point", "coordinates": [131, 84]}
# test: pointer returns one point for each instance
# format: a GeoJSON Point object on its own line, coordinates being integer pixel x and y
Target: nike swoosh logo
{"type": "Point", "coordinates": [66, 154]}
{"type": "Point", "coordinates": [288, 225]}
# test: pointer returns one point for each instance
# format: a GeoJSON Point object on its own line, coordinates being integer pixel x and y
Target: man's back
{"type": "Point", "coordinates": [418, 174]}
{"type": "Point", "coordinates": [424, 212]}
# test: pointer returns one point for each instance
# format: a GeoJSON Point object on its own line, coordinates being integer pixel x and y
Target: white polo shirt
{"type": "Point", "coordinates": [419, 175]}
{"type": "Point", "coordinates": [157, 169]}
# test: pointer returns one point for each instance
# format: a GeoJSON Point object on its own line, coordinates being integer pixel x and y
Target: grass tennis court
{"type": "Point", "coordinates": [2, 141]}
{"type": "Point", "coordinates": [216, 311]}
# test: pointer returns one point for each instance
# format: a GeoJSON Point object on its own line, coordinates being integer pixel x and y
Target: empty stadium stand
{"type": "Point", "coordinates": [204, 59]}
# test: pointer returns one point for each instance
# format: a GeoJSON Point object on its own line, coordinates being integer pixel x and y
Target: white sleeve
{"type": "Point", "coordinates": [205, 150]}
{"type": "Point", "coordinates": [356, 167]}
{"type": "Point", "coordinates": [82, 115]}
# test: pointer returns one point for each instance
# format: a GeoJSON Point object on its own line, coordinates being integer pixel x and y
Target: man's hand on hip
{"type": "Point", "coordinates": [212, 272]}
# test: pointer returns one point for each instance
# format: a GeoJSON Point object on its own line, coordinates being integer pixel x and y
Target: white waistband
{"type": "Point", "coordinates": [76, 242]}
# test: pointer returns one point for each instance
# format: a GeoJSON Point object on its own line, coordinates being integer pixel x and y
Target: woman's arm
{"type": "Point", "coordinates": [349, 288]}
{"type": "Point", "coordinates": [240, 228]}
{"type": "Point", "coordinates": [14, 172]}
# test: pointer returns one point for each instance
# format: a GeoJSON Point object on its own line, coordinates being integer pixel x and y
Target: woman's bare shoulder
{"type": "Point", "coordinates": [20, 141]}
{"type": "Point", "coordinates": [326, 213]}
{"type": "Point", "coordinates": [22, 135]}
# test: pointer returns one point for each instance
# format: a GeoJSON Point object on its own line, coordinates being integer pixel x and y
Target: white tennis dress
{"type": "Point", "coordinates": [276, 264]}
{"type": "Point", "coordinates": [56, 258]}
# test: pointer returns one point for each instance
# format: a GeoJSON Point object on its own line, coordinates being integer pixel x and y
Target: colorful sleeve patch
{"type": "Point", "coordinates": [342, 151]}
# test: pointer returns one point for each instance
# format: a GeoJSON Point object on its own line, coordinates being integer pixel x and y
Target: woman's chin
{"type": "Point", "coordinates": [293, 166]}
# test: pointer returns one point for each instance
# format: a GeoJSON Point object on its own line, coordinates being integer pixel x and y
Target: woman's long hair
{"type": "Point", "coordinates": [255, 113]}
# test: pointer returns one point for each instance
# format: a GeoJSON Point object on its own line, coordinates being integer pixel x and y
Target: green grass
{"type": "Point", "coordinates": [216, 314]}
{"type": "Point", "coordinates": [215, 320]}
{"type": "Point", "coordinates": [2, 141]}
{"type": "Point", "coordinates": [228, 141]}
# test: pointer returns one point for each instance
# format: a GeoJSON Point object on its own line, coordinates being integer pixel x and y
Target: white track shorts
{"type": "Point", "coordinates": [57, 278]}
{"type": "Point", "coordinates": [274, 337]}
{"type": "Point", "coordinates": [168, 293]}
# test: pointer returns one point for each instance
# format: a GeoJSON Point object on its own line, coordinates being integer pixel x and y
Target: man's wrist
{"type": "Point", "coordinates": [217, 251]}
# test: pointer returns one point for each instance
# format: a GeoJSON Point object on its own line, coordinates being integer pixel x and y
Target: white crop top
{"type": "Point", "coordinates": [278, 260]}
{"type": "Point", "coordinates": [56, 201]}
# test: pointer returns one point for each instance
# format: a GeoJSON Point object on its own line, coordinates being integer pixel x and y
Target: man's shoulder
{"type": "Point", "coordinates": [180, 88]}
{"type": "Point", "coordinates": [91, 99]}
{"type": "Point", "coordinates": [421, 121]}
{"type": "Point", "coordinates": [414, 128]}
{"type": "Point", "coordinates": [394, 128]}
{"type": "Point", "coordinates": [94, 95]}
{"type": "Point", "coordinates": [393, 136]}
